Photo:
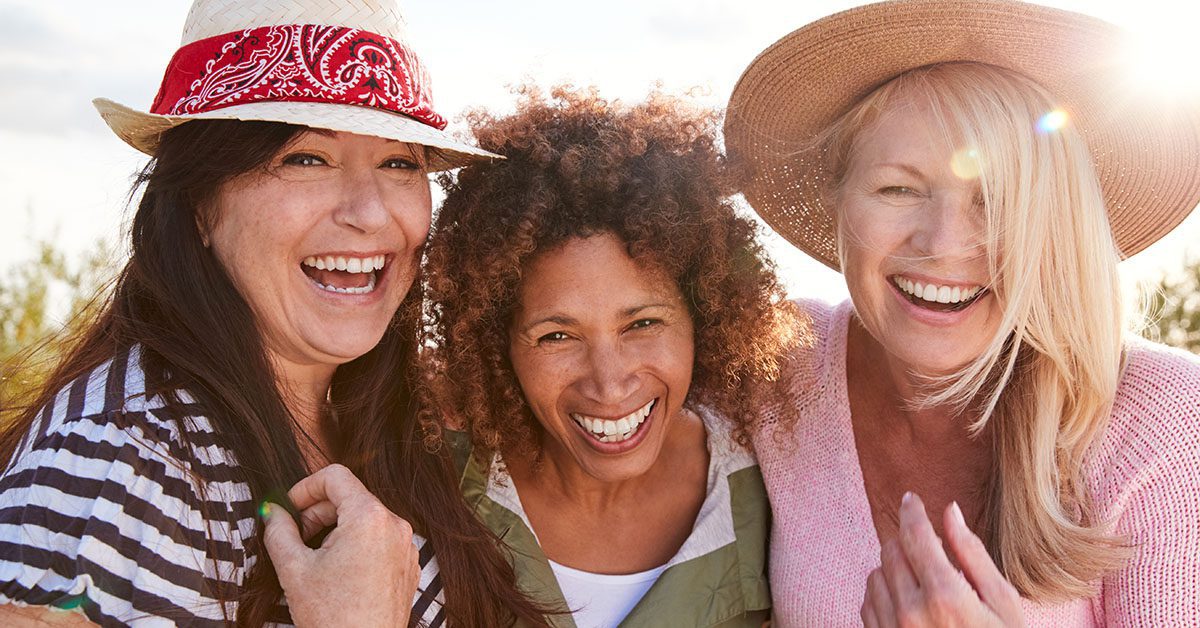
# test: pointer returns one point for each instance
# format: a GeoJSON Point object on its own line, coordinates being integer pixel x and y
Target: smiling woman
{"type": "Point", "coordinates": [255, 353]}
{"type": "Point", "coordinates": [603, 326]}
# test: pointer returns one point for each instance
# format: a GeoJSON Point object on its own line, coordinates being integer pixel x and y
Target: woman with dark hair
{"type": "Point", "coordinates": [259, 333]}
{"type": "Point", "coordinates": [599, 320]}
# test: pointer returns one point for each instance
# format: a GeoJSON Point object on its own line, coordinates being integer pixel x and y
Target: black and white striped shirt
{"type": "Point", "coordinates": [105, 514]}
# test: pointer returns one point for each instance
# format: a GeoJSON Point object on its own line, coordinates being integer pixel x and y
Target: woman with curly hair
{"type": "Point", "coordinates": [600, 318]}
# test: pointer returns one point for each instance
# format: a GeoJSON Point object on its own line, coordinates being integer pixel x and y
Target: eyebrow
{"type": "Point", "coordinates": [560, 319]}
{"type": "Point", "coordinates": [912, 170]}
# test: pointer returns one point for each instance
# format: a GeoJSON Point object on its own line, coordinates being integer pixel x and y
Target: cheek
{"type": "Point", "coordinates": [413, 212]}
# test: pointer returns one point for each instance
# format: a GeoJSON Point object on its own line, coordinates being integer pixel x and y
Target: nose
{"type": "Point", "coordinates": [612, 375]}
{"type": "Point", "coordinates": [951, 226]}
{"type": "Point", "coordinates": [362, 206]}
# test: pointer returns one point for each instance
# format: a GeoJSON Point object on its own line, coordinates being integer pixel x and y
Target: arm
{"type": "Point", "coordinates": [15, 616]}
{"type": "Point", "coordinates": [95, 519]}
{"type": "Point", "coordinates": [1160, 584]}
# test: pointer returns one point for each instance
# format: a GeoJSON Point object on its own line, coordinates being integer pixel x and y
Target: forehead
{"type": "Point", "coordinates": [592, 275]}
{"type": "Point", "coordinates": [906, 129]}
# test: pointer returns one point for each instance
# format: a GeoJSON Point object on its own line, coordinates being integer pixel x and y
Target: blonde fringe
{"type": "Point", "coordinates": [1048, 378]}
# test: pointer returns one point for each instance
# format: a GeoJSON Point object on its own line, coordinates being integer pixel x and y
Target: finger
{"type": "Point", "coordinates": [333, 483]}
{"type": "Point", "coordinates": [977, 565]}
{"type": "Point", "coordinates": [898, 577]}
{"type": "Point", "coordinates": [921, 544]}
{"type": "Point", "coordinates": [316, 518]}
{"type": "Point", "coordinates": [282, 539]}
{"type": "Point", "coordinates": [879, 599]}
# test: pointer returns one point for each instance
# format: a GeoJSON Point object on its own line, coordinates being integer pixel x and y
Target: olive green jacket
{"type": "Point", "coordinates": [718, 577]}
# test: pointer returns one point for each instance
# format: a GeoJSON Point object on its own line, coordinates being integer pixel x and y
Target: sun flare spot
{"type": "Point", "coordinates": [1052, 121]}
{"type": "Point", "coordinates": [965, 164]}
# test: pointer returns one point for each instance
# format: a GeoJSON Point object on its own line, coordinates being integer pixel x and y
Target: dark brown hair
{"type": "Point", "coordinates": [577, 165]}
{"type": "Point", "coordinates": [198, 334]}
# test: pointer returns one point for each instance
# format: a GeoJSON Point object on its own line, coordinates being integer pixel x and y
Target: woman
{"type": "Point", "coordinates": [258, 334]}
{"type": "Point", "coordinates": [976, 171]}
{"type": "Point", "coordinates": [598, 312]}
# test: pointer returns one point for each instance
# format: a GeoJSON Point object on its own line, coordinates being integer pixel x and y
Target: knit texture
{"type": "Point", "coordinates": [1143, 475]}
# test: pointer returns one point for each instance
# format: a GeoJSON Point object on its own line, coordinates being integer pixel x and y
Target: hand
{"type": "Point", "coordinates": [916, 585]}
{"type": "Point", "coordinates": [365, 572]}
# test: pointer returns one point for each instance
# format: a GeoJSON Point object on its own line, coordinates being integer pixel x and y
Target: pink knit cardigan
{"type": "Point", "coordinates": [1144, 475]}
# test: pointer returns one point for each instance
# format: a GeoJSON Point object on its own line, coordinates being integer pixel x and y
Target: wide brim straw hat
{"type": "Point", "coordinates": [1145, 142]}
{"type": "Point", "coordinates": [341, 65]}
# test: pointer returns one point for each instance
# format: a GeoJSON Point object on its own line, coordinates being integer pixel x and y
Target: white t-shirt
{"type": "Point", "coordinates": [599, 600]}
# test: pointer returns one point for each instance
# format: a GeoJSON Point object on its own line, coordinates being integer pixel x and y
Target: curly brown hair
{"type": "Point", "coordinates": [576, 166]}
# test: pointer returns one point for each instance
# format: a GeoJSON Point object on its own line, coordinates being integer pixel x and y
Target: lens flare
{"type": "Point", "coordinates": [1052, 121]}
{"type": "Point", "coordinates": [965, 164]}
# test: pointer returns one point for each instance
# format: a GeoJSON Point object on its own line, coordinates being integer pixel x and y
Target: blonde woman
{"type": "Point", "coordinates": [976, 170]}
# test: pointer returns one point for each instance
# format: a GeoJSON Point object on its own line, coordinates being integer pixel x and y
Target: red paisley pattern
{"type": "Point", "coordinates": [297, 63]}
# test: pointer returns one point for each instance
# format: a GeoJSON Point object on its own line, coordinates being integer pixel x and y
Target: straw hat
{"type": "Point", "coordinates": [1146, 147]}
{"type": "Point", "coordinates": [341, 65]}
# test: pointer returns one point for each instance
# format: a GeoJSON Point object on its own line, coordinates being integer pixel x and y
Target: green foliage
{"type": "Point", "coordinates": [1174, 308]}
{"type": "Point", "coordinates": [38, 299]}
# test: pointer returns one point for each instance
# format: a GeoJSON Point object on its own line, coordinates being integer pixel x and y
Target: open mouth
{"type": "Point", "coordinates": [344, 275]}
{"type": "Point", "coordinates": [938, 298]}
{"type": "Point", "coordinates": [615, 431]}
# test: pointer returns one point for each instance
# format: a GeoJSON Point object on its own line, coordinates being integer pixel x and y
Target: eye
{"type": "Point", "coordinates": [554, 336]}
{"type": "Point", "coordinates": [303, 160]}
{"type": "Point", "coordinates": [399, 163]}
{"type": "Point", "coordinates": [645, 323]}
{"type": "Point", "coordinates": [897, 190]}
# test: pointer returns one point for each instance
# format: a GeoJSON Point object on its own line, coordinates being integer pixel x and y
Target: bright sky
{"type": "Point", "coordinates": [64, 175]}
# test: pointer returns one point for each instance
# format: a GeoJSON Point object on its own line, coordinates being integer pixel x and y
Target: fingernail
{"type": "Point", "coordinates": [907, 497]}
{"type": "Point", "coordinates": [265, 511]}
{"type": "Point", "coordinates": [957, 513]}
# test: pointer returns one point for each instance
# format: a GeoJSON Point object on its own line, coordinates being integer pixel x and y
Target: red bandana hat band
{"type": "Point", "coordinates": [297, 63]}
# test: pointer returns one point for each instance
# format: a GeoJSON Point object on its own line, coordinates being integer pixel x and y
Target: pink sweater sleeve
{"type": "Point", "coordinates": [1150, 487]}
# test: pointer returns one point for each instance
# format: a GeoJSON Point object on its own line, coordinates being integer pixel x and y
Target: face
{"type": "Point", "coordinates": [324, 244]}
{"type": "Point", "coordinates": [602, 347]}
{"type": "Point", "coordinates": [912, 224]}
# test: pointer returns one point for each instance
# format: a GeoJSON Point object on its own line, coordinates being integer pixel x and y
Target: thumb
{"type": "Point", "coordinates": [282, 539]}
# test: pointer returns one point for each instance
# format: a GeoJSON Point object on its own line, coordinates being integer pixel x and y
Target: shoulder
{"type": "Point", "coordinates": [814, 371]}
{"type": "Point", "coordinates": [107, 416]}
{"type": "Point", "coordinates": [1153, 433]}
{"type": "Point", "coordinates": [1157, 404]}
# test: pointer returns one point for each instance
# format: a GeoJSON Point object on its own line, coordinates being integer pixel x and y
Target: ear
{"type": "Point", "coordinates": [203, 227]}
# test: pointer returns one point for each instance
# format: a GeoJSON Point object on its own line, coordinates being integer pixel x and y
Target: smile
{"type": "Point", "coordinates": [614, 431]}
{"type": "Point", "coordinates": [344, 275]}
{"type": "Point", "coordinates": [939, 297]}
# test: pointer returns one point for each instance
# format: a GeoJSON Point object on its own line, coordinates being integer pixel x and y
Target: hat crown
{"type": "Point", "coordinates": [210, 18]}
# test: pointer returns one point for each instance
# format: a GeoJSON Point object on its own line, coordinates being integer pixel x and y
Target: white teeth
{"type": "Point", "coordinates": [610, 431]}
{"type": "Point", "coordinates": [935, 293]}
{"type": "Point", "coordinates": [367, 289]}
{"type": "Point", "coordinates": [347, 264]}
{"type": "Point", "coordinates": [930, 293]}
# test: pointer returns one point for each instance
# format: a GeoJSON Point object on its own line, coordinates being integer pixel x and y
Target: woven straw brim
{"type": "Point", "coordinates": [1146, 146]}
{"type": "Point", "coordinates": [142, 130]}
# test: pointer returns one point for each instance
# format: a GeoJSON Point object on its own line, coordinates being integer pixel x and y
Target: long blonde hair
{"type": "Point", "coordinates": [1047, 379]}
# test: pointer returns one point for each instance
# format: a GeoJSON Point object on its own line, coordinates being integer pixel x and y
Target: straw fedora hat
{"type": "Point", "coordinates": [341, 65]}
{"type": "Point", "coordinates": [1146, 145]}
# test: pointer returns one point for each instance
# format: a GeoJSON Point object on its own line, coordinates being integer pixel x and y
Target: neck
{"type": "Point", "coordinates": [305, 389]}
{"type": "Point", "coordinates": [897, 392]}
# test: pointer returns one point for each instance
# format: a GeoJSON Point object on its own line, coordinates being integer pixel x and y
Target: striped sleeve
{"type": "Point", "coordinates": [97, 514]}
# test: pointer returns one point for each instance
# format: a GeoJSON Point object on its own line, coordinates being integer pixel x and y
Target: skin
{"type": "Point", "coordinates": [600, 334]}
{"type": "Point", "coordinates": [325, 193]}
{"type": "Point", "coordinates": [903, 211]}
